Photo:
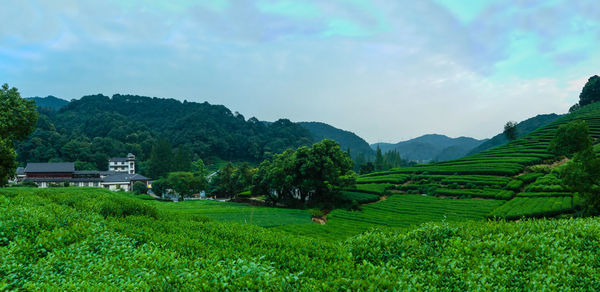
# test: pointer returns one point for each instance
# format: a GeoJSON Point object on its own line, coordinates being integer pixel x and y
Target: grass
{"type": "Point", "coordinates": [235, 212]}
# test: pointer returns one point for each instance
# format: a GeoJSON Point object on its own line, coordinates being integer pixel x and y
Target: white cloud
{"type": "Point", "coordinates": [387, 70]}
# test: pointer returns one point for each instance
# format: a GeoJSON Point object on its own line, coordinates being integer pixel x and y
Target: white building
{"type": "Point", "coordinates": [120, 176]}
{"type": "Point", "coordinates": [122, 164]}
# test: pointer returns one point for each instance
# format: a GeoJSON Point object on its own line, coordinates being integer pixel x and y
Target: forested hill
{"type": "Point", "coordinates": [97, 127]}
{"type": "Point", "coordinates": [346, 139]}
{"type": "Point", "coordinates": [431, 147]}
{"type": "Point", "coordinates": [51, 102]}
{"type": "Point", "coordinates": [523, 128]}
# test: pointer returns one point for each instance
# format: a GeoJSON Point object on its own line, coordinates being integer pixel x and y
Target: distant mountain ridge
{"type": "Point", "coordinates": [346, 139]}
{"type": "Point", "coordinates": [49, 101]}
{"type": "Point", "coordinates": [432, 147]}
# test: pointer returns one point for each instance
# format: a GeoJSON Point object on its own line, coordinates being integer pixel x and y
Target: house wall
{"type": "Point", "coordinates": [115, 186]}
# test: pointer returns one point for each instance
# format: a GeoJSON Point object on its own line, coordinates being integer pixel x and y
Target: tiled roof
{"type": "Point", "coordinates": [50, 167]}
{"type": "Point", "coordinates": [124, 177]}
{"type": "Point", "coordinates": [118, 159]}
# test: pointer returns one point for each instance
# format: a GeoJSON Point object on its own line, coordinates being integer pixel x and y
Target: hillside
{"type": "Point", "coordinates": [96, 127]}
{"type": "Point", "coordinates": [94, 239]}
{"type": "Point", "coordinates": [523, 128]}
{"type": "Point", "coordinates": [431, 147]}
{"type": "Point", "coordinates": [519, 180]}
{"type": "Point", "coordinates": [50, 102]}
{"type": "Point", "coordinates": [346, 139]}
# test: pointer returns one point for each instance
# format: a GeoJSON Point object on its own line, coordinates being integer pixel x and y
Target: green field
{"type": "Point", "coordinates": [235, 212]}
{"type": "Point", "coordinates": [93, 239]}
{"type": "Point", "coordinates": [396, 211]}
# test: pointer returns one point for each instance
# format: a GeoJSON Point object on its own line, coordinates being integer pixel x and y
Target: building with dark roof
{"type": "Point", "coordinates": [61, 173]}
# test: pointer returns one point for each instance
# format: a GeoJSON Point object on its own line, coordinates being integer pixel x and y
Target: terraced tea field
{"type": "Point", "coordinates": [398, 211]}
{"type": "Point", "coordinates": [519, 175]}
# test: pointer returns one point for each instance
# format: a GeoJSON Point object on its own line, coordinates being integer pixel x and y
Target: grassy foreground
{"type": "Point", "coordinates": [65, 239]}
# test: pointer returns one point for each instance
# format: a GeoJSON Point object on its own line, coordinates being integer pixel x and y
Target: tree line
{"type": "Point", "coordinates": [91, 130]}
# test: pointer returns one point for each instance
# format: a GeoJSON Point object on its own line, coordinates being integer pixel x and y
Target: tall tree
{"type": "Point", "coordinates": [224, 183]}
{"type": "Point", "coordinates": [307, 176]}
{"type": "Point", "coordinates": [161, 159]}
{"type": "Point", "coordinates": [198, 168]}
{"type": "Point", "coordinates": [590, 92]}
{"type": "Point", "coordinates": [182, 160]}
{"type": "Point", "coordinates": [571, 138]}
{"type": "Point", "coordinates": [379, 162]}
{"type": "Point", "coordinates": [185, 183]}
{"type": "Point", "coordinates": [510, 130]}
{"type": "Point", "coordinates": [582, 175]}
{"type": "Point", "coordinates": [18, 118]}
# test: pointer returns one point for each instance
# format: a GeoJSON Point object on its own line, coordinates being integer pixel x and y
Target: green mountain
{"type": "Point", "coordinates": [431, 147]}
{"type": "Point", "coordinates": [523, 128]}
{"type": "Point", "coordinates": [346, 139]}
{"type": "Point", "coordinates": [96, 127]}
{"type": "Point", "coordinates": [49, 101]}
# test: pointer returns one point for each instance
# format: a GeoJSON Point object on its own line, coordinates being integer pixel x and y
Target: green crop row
{"type": "Point", "coordinates": [514, 185]}
{"type": "Point", "coordinates": [373, 188]}
{"type": "Point", "coordinates": [546, 194]}
{"type": "Point", "coordinates": [389, 178]}
{"type": "Point", "coordinates": [397, 211]}
{"type": "Point", "coordinates": [361, 198]}
{"type": "Point", "coordinates": [479, 193]}
{"type": "Point", "coordinates": [529, 177]}
{"type": "Point", "coordinates": [520, 207]}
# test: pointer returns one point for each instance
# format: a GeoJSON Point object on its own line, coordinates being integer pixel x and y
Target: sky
{"type": "Point", "coordinates": [387, 70]}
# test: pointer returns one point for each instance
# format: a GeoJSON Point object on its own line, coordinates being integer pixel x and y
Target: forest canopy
{"type": "Point", "coordinates": [98, 127]}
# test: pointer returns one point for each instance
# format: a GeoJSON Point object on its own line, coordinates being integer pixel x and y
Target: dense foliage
{"type": "Point", "coordinates": [17, 120]}
{"type": "Point", "coordinates": [590, 92]}
{"type": "Point", "coordinates": [60, 239]}
{"type": "Point", "coordinates": [510, 130]}
{"type": "Point", "coordinates": [571, 138]}
{"type": "Point", "coordinates": [305, 176]}
{"type": "Point", "coordinates": [97, 127]}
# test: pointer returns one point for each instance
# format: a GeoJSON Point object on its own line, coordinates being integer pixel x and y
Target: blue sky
{"type": "Point", "coordinates": [387, 70]}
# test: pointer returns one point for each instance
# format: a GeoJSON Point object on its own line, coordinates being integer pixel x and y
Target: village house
{"type": "Point", "coordinates": [120, 176]}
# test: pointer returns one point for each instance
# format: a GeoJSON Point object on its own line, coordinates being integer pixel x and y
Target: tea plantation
{"type": "Point", "coordinates": [522, 175]}
{"type": "Point", "coordinates": [427, 227]}
{"type": "Point", "coordinates": [91, 239]}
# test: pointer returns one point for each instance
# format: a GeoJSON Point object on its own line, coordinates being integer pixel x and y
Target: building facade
{"type": "Point", "coordinates": [64, 173]}
{"type": "Point", "coordinates": [122, 164]}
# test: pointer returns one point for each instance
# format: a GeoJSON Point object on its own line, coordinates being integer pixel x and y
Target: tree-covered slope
{"type": "Point", "coordinates": [96, 127]}
{"type": "Point", "coordinates": [431, 147]}
{"type": "Point", "coordinates": [523, 128]}
{"type": "Point", "coordinates": [50, 102]}
{"type": "Point", "coordinates": [346, 139]}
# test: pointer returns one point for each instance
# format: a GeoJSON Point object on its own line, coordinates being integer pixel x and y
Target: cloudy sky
{"type": "Point", "coordinates": [387, 70]}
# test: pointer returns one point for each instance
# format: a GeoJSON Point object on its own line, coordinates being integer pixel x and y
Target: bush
{"type": "Point", "coordinates": [317, 213]}
{"type": "Point", "coordinates": [28, 184]}
{"type": "Point", "coordinates": [139, 188]}
{"type": "Point", "coordinates": [121, 207]}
